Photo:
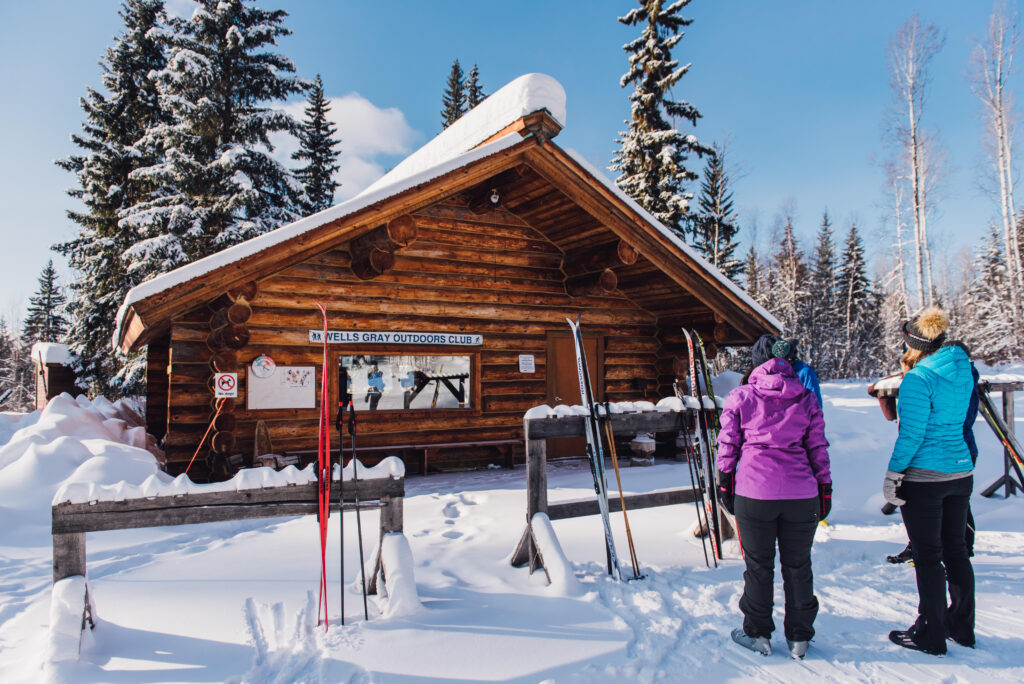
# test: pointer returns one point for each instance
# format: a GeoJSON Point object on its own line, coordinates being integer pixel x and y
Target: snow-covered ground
{"type": "Point", "coordinates": [236, 601]}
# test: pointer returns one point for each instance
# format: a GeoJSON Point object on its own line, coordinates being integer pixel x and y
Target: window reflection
{"type": "Point", "coordinates": [398, 382]}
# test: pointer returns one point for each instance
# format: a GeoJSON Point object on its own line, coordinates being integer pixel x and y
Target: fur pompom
{"type": "Point", "coordinates": [932, 322]}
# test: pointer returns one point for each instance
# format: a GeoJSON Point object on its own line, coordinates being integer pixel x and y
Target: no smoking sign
{"type": "Point", "coordinates": [225, 385]}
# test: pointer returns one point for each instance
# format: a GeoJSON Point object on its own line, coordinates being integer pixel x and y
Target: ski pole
{"type": "Point", "coordinates": [698, 495]}
{"type": "Point", "coordinates": [323, 473]}
{"type": "Point", "coordinates": [622, 497]}
{"type": "Point", "coordinates": [343, 397]}
{"type": "Point", "coordinates": [355, 493]}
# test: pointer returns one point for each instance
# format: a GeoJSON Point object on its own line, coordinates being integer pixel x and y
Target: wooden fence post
{"type": "Point", "coordinates": [536, 497]}
{"type": "Point", "coordinates": [68, 555]}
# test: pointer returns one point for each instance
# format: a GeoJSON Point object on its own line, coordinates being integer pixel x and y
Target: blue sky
{"type": "Point", "coordinates": [799, 88]}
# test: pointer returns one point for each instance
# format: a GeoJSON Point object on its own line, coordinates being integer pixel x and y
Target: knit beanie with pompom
{"type": "Point", "coordinates": [928, 331]}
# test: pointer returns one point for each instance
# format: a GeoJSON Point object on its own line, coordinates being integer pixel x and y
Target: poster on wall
{"type": "Point", "coordinates": [286, 387]}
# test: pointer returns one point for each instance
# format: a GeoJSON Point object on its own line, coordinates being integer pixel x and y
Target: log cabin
{"type": "Point", "coordinates": [446, 285]}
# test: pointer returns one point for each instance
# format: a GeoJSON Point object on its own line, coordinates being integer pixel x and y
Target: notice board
{"type": "Point", "coordinates": [287, 387]}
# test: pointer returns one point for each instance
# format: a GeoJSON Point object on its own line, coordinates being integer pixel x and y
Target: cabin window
{"type": "Point", "coordinates": [408, 382]}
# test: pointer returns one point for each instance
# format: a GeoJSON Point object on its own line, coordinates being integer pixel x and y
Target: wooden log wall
{"type": "Point", "coordinates": [158, 355]}
{"type": "Point", "coordinates": [488, 273]}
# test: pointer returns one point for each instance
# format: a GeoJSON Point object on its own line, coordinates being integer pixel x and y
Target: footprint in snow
{"type": "Point", "coordinates": [451, 510]}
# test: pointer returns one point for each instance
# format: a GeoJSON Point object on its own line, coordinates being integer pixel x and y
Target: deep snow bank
{"type": "Point", "coordinates": [73, 440]}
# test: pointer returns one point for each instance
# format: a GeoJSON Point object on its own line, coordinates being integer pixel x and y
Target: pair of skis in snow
{"type": "Point", "coordinates": [703, 470]}
{"type": "Point", "coordinates": [1009, 440]}
{"type": "Point", "coordinates": [324, 475]}
{"type": "Point", "coordinates": [595, 455]}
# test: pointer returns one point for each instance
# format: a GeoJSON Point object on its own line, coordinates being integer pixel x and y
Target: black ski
{"type": "Point", "coordinates": [709, 485]}
{"type": "Point", "coordinates": [696, 483]}
{"type": "Point", "coordinates": [594, 451]}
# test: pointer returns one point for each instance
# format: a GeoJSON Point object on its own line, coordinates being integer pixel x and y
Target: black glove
{"type": "Point", "coordinates": [727, 491]}
{"type": "Point", "coordinates": [825, 498]}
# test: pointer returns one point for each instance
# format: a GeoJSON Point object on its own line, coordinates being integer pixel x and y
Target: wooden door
{"type": "Point", "coordinates": [563, 381]}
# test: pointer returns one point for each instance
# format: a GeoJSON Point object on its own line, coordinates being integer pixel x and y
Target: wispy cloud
{"type": "Point", "coordinates": [369, 135]}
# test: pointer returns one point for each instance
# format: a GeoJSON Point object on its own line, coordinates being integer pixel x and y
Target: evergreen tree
{"type": "Point", "coordinates": [107, 186]}
{"type": "Point", "coordinates": [218, 185]}
{"type": "Point", "coordinates": [858, 310]}
{"type": "Point", "coordinates": [787, 295]}
{"type": "Point", "coordinates": [453, 101]}
{"type": "Point", "coordinates": [316, 145]}
{"type": "Point", "coordinates": [822, 350]}
{"type": "Point", "coordinates": [17, 373]}
{"type": "Point", "coordinates": [714, 226]}
{"type": "Point", "coordinates": [653, 153]}
{"type": "Point", "coordinates": [754, 276]}
{"type": "Point", "coordinates": [45, 321]}
{"type": "Point", "coordinates": [990, 334]}
{"type": "Point", "coordinates": [474, 92]}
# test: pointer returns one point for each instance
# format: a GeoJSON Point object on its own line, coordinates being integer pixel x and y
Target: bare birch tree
{"type": "Point", "coordinates": [910, 53]}
{"type": "Point", "coordinates": [991, 68]}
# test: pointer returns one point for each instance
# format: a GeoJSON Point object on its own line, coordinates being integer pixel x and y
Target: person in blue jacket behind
{"type": "Point", "coordinates": [807, 375]}
{"type": "Point", "coordinates": [930, 477]}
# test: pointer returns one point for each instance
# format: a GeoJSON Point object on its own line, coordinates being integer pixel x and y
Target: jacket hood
{"type": "Point", "coordinates": [776, 377]}
{"type": "Point", "coordinates": [949, 365]}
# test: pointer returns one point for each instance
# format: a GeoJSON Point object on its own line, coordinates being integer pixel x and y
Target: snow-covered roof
{"type": "Point", "coordinates": [459, 145]}
{"type": "Point", "coordinates": [456, 146]}
{"type": "Point", "coordinates": [288, 232]}
{"type": "Point", "coordinates": [523, 96]}
{"type": "Point", "coordinates": [51, 352]}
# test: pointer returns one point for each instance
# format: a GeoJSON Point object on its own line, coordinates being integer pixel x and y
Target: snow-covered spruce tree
{"type": "Point", "coordinates": [858, 311]}
{"type": "Point", "coordinates": [787, 295]}
{"type": "Point", "coordinates": [218, 184]}
{"type": "Point", "coordinates": [990, 332]}
{"type": "Point", "coordinates": [653, 153]}
{"type": "Point", "coordinates": [317, 140]}
{"type": "Point", "coordinates": [16, 372]}
{"type": "Point", "coordinates": [115, 120]}
{"type": "Point", "coordinates": [45, 320]}
{"type": "Point", "coordinates": [754, 277]}
{"type": "Point", "coordinates": [823, 318]}
{"type": "Point", "coordinates": [474, 91]}
{"type": "Point", "coordinates": [714, 226]}
{"type": "Point", "coordinates": [453, 100]}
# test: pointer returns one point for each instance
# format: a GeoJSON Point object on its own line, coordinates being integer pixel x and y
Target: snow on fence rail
{"type": "Point", "coordinates": [71, 519]}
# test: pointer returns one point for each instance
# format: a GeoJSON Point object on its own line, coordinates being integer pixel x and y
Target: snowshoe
{"type": "Point", "coordinates": [797, 649]}
{"type": "Point", "coordinates": [904, 556]}
{"type": "Point", "coordinates": [759, 645]}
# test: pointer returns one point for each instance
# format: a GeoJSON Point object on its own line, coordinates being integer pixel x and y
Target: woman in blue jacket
{"type": "Point", "coordinates": [930, 477]}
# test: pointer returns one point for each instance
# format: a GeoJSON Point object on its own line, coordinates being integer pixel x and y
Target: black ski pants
{"type": "Point", "coordinates": [936, 518]}
{"type": "Point", "coordinates": [790, 524]}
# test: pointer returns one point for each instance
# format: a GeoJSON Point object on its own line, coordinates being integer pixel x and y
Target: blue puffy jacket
{"type": "Point", "coordinates": [809, 379]}
{"type": "Point", "coordinates": [933, 405]}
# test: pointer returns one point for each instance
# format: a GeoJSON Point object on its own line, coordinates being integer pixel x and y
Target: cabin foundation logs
{"type": "Point", "coordinates": [229, 332]}
{"type": "Point", "coordinates": [589, 271]}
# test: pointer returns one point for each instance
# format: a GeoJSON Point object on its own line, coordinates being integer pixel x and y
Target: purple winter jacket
{"type": "Point", "coordinates": [773, 436]}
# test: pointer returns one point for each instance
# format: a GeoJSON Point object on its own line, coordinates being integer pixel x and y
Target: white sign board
{"type": "Point", "coordinates": [225, 385]}
{"type": "Point", "coordinates": [526, 364]}
{"type": "Point", "coordinates": [292, 387]}
{"type": "Point", "coordinates": [393, 337]}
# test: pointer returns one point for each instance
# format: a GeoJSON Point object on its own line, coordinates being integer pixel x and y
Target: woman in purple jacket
{"type": "Point", "coordinates": [774, 477]}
